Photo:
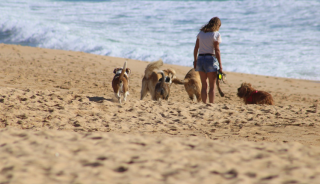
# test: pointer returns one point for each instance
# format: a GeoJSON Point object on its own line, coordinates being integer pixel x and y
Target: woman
{"type": "Point", "coordinates": [209, 61]}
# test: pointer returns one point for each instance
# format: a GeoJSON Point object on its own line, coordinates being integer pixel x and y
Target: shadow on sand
{"type": "Point", "coordinates": [99, 99]}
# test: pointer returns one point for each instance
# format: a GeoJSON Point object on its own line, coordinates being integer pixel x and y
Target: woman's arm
{"type": "Point", "coordinates": [195, 53]}
{"type": "Point", "coordinates": [217, 53]}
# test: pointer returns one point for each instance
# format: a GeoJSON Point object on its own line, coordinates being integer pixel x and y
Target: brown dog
{"type": "Point", "coordinates": [151, 78]}
{"type": "Point", "coordinates": [162, 89]}
{"type": "Point", "coordinates": [252, 96]}
{"type": "Point", "coordinates": [192, 84]}
{"type": "Point", "coordinates": [120, 82]}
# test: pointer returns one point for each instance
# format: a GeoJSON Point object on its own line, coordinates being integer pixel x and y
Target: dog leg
{"type": "Point", "coordinates": [167, 97]}
{"type": "Point", "coordinates": [118, 96]}
{"type": "Point", "coordinates": [154, 97]}
{"type": "Point", "coordinates": [144, 89]}
{"type": "Point", "coordinates": [191, 96]}
{"type": "Point", "coordinates": [125, 96]}
{"type": "Point", "coordinates": [198, 97]}
{"type": "Point", "coordinates": [143, 93]}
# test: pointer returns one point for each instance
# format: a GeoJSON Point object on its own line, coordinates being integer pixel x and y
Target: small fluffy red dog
{"type": "Point", "coordinates": [252, 96]}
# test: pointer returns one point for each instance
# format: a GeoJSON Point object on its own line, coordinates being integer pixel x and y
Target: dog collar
{"type": "Point", "coordinates": [249, 99]}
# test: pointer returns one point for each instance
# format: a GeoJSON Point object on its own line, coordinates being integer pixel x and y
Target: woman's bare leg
{"type": "Point", "coordinates": [212, 76]}
{"type": "Point", "coordinates": [203, 77]}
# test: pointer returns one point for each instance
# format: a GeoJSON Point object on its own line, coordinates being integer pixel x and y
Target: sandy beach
{"type": "Point", "coordinates": [60, 123]}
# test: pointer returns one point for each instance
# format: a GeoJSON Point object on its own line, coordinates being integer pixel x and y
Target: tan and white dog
{"type": "Point", "coordinates": [192, 84]}
{"type": "Point", "coordinates": [151, 78]}
{"type": "Point", "coordinates": [120, 82]}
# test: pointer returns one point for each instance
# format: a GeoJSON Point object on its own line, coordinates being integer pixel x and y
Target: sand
{"type": "Point", "coordinates": [60, 123]}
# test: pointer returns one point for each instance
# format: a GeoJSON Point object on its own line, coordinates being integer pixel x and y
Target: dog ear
{"type": "Point", "coordinates": [247, 86]}
{"type": "Point", "coordinates": [243, 89]}
{"type": "Point", "coordinates": [171, 75]}
{"type": "Point", "coordinates": [128, 71]}
{"type": "Point", "coordinates": [115, 70]}
{"type": "Point", "coordinates": [171, 72]}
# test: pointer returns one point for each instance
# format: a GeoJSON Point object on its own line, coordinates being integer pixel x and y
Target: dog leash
{"type": "Point", "coordinates": [249, 99]}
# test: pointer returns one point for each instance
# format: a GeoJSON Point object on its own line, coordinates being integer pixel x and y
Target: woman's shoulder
{"type": "Point", "coordinates": [216, 34]}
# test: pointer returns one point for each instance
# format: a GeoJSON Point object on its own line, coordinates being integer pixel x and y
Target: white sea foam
{"type": "Point", "coordinates": [277, 38]}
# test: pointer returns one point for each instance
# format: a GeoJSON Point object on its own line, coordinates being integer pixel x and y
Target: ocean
{"type": "Point", "coordinates": [266, 37]}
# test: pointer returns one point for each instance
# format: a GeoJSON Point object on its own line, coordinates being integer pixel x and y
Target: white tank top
{"type": "Point", "coordinates": [206, 41]}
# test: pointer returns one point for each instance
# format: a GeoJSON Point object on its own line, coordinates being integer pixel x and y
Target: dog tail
{"type": "Point", "coordinates": [178, 81]}
{"type": "Point", "coordinates": [123, 71]}
{"type": "Point", "coordinates": [152, 66]}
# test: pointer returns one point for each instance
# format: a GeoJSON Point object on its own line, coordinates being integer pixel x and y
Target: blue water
{"type": "Point", "coordinates": [266, 37]}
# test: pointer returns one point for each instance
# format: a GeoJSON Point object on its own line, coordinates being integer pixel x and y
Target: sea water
{"type": "Point", "coordinates": [266, 37]}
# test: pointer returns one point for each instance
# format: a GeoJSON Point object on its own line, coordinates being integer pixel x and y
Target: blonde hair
{"type": "Point", "coordinates": [213, 25]}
